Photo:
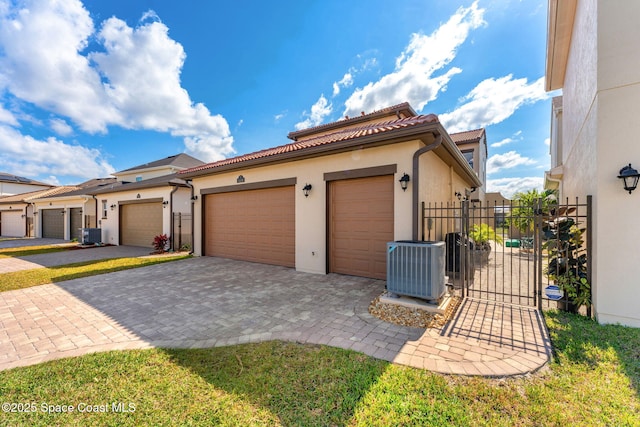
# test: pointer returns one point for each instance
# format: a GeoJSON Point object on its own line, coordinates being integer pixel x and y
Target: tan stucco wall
{"type": "Point", "coordinates": [110, 225]}
{"type": "Point", "coordinates": [601, 98]}
{"type": "Point", "coordinates": [311, 250]}
{"type": "Point", "coordinates": [86, 204]}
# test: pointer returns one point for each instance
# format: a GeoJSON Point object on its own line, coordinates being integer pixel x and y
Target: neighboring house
{"type": "Point", "coordinates": [18, 212]}
{"type": "Point", "coordinates": [11, 184]}
{"type": "Point", "coordinates": [593, 56]}
{"type": "Point", "coordinates": [473, 145]}
{"type": "Point", "coordinates": [330, 200]}
{"type": "Point", "coordinates": [63, 215]}
{"type": "Point", "coordinates": [141, 203]}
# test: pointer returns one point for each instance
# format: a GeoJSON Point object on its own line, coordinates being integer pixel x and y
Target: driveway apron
{"type": "Point", "coordinates": [207, 302]}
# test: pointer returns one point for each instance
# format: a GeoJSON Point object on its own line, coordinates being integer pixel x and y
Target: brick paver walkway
{"type": "Point", "coordinates": [205, 302]}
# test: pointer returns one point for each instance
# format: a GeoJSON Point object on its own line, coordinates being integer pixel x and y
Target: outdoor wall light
{"type": "Point", "coordinates": [404, 182]}
{"type": "Point", "coordinates": [113, 206]}
{"type": "Point", "coordinates": [240, 179]}
{"type": "Point", "coordinates": [458, 195]}
{"type": "Point", "coordinates": [630, 178]}
{"type": "Point", "coordinates": [165, 203]}
{"type": "Point", "coordinates": [194, 197]}
{"type": "Point", "coordinates": [307, 189]}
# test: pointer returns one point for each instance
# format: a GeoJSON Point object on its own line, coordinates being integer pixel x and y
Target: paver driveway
{"type": "Point", "coordinates": [203, 302]}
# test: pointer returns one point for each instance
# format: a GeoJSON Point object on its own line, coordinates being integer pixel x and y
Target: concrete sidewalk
{"type": "Point", "coordinates": [208, 302]}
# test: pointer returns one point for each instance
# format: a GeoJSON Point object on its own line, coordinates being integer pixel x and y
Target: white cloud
{"type": "Point", "coordinates": [547, 141]}
{"type": "Point", "coordinates": [134, 83]}
{"type": "Point", "coordinates": [493, 101]}
{"type": "Point", "coordinates": [508, 160]}
{"type": "Point", "coordinates": [509, 186]}
{"type": "Point", "coordinates": [27, 156]}
{"type": "Point", "coordinates": [61, 127]}
{"type": "Point", "coordinates": [346, 81]}
{"type": "Point", "coordinates": [7, 117]}
{"type": "Point", "coordinates": [502, 142]}
{"type": "Point", "coordinates": [321, 109]}
{"type": "Point", "coordinates": [413, 79]}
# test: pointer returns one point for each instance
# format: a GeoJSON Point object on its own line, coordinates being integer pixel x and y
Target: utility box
{"type": "Point", "coordinates": [416, 269]}
{"type": "Point", "coordinates": [91, 236]}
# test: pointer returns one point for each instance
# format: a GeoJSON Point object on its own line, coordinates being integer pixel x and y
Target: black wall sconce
{"type": "Point", "coordinates": [194, 197]}
{"type": "Point", "coordinates": [165, 203]}
{"type": "Point", "coordinates": [404, 182]}
{"type": "Point", "coordinates": [113, 206]}
{"type": "Point", "coordinates": [240, 179]}
{"type": "Point", "coordinates": [458, 195]}
{"type": "Point", "coordinates": [307, 189]}
{"type": "Point", "coordinates": [630, 178]}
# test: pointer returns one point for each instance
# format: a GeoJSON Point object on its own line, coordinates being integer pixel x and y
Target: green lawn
{"type": "Point", "coordinates": [40, 276]}
{"type": "Point", "coordinates": [594, 380]}
{"type": "Point", "coordinates": [33, 250]}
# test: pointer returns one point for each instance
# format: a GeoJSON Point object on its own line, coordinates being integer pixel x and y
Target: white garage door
{"type": "Point", "coordinates": [11, 224]}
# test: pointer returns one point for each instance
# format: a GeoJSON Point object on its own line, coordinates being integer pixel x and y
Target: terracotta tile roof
{"type": "Point", "coordinates": [467, 136]}
{"type": "Point", "coordinates": [342, 135]}
{"type": "Point", "coordinates": [404, 108]}
{"type": "Point", "coordinates": [40, 194]}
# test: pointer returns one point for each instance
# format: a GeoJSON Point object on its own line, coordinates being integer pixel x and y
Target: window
{"type": "Point", "coordinates": [138, 178]}
{"type": "Point", "coordinates": [104, 209]}
{"type": "Point", "coordinates": [468, 154]}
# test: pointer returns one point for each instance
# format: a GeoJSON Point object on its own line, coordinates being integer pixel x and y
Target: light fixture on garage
{"type": "Point", "coordinates": [404, 182]}
{"type": "Point", "coordinates": [458, 195]}
{"type": "Point", "coordinates": [240, 179]}
{"type": "Point", "coordinates": [307, 189]}
{"type": "Point", "coordinates": [165, 203]}
{"type": "Point", "coordinates": [194, 197]}
{"type": "Point", "coordinates": [630, 177]}
{"type": "Point", "coordinates": [113, 206]}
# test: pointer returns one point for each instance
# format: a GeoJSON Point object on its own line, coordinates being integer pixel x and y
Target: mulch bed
{"type": "Point", "coordinates": [414, 317]}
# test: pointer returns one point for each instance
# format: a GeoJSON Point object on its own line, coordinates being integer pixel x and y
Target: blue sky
{"type": "Point", "coordinates": [92, 87]}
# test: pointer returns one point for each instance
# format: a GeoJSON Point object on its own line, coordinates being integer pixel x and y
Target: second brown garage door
{"type": "Point", "coordinates": [360, 225]}
{"type": "Point", "coordinates": [252, 225]}
{"type": "Point", "coordinates": [140, 223]}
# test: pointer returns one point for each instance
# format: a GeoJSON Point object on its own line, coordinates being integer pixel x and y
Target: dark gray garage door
{"type": "Point", "coordinates": [52, 223]}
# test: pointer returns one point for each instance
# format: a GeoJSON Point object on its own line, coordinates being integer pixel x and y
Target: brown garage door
{"type": "Point", "coordinates": [360, 225]}
{"type": "Point", "coordinates": [140, 223]}
{"type": "Point", "coordinates": [252, 225]}
{"type": "Point", "coordinates": [52, 223]}
{"type": "Point", "coordinates": [75, 223]}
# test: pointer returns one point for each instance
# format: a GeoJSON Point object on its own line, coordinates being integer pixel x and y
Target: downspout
{"type": "Point", "coordinates": [171, 212]}
{"type": "Point", "coordinates": [416, 180]}
{"type": "Point", "coordinates": [26, 220]}
{"type": "Point", "coordinates": [193, 220]}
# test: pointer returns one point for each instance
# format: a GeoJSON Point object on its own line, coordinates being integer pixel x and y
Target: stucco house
{"type": "Point", "coordinates": [12, 184]}
{"type": "Point", "coordinates": [329, 200]}
{"type": "Point", "coordinates": [473, 145]}
{"type": "Point", "coordinates": [62, 214]}
{"type": "Point", "coordinates": [18, 212]}
{"type": "Point", "coordinates": [593, 57]}
{"type": "Point", "coordinates": [141, 203]}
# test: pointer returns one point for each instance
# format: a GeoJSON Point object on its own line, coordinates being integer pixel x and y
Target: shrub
{"type": "Point", "coordinates": [160, 243]}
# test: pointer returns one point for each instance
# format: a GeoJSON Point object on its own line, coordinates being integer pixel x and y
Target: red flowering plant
{"type": "Point", "coordinates": [160, 243]}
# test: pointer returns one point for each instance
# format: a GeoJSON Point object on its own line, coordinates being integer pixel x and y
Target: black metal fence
{"type": "Point", "coordinates": [181, 232]}
{"type": "Point", "coordinates": [501, 251]}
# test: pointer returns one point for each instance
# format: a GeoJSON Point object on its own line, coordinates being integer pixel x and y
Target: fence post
{"type": "Point", "coordinates": [589, 251]}
{"type": "Point", "coordinates": [537, 254]}
{"type": "Point", "coordinates": [464, 255]}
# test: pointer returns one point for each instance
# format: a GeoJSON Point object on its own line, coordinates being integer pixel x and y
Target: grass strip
{"type": "Point", "coordinates": [40, 276]}
{"type": "Point", "coordinates": [593, 381]}
{"type": "Point", "coordinates": [33, 250]}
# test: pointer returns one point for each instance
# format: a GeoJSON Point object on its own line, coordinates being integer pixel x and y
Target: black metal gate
{"type": "Point", "coordinates": [181, 232]}
{"type": "Point", "coordinates": [497, 251]}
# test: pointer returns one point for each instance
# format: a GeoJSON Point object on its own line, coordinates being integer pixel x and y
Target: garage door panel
{"type": "Point", "coordinates": [11, 224]}
{"type": "Point", "coordinates": [52, 223]}
{"type": "Point", "coordinates": [360, 225]}
{"type": "Point", "coordinates": [252, 225]}
{"type": "Point", "coordinates": [140, 223]}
